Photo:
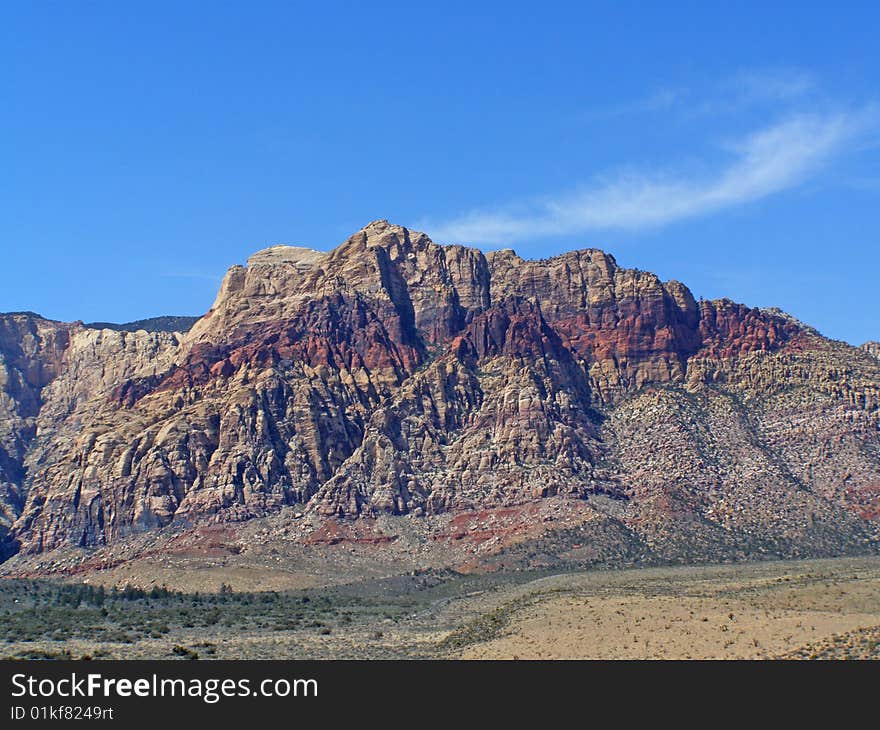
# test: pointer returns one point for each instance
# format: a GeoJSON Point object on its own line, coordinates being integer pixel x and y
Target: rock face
{"type": "Point", "coordinates": [31, 356]}
{"type": "Point", "coordinates": [394, 375]}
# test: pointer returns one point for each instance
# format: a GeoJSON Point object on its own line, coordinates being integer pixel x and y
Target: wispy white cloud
{"type": "Point", "coordinates": [748, 90]}
{"type": "Point", "coordinates": [737, 93]}
{"type": "Point", "coordinates": [770, 85]}
{"type": "Point", "coordinates": [765, 162]}
{"type": "Point", "coordinates": [661, 100]}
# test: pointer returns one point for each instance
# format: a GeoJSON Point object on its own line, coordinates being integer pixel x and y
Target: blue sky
{"type": "Point", "coordinates": [146, 147]}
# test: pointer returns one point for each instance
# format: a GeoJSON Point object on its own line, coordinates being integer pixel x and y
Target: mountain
{"type": "Point", "coordinates": [153, 324]}
{"type": "Point", "coordinates": [395, 376]}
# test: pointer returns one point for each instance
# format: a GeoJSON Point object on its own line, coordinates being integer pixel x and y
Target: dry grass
{"type": "Point", "coordinates": [783, 609]}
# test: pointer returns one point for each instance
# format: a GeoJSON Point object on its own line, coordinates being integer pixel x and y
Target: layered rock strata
{"type": "Point", "coordinates": [395, 375]}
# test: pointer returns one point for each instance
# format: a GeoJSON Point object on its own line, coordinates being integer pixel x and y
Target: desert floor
{"type": "Point", "coordinates": [807, 609]}
{"type": "Point", "coordinates": [775, 609]}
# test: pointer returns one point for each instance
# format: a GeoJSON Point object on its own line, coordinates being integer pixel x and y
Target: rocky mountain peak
{"type": "Point", "coordinates": [392, 375]}
{"type": "Point", "coordinates": [299, 256]}
{"type": "Point", "coordinates": [395, 240]}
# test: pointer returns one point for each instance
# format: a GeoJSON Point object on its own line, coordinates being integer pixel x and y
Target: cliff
{"type": "Point", "coordinates": [392, 375]}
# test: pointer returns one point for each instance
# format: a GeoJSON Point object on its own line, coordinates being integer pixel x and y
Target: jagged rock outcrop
{"type": "Point", "coordinates": [393, 375]}
{"type": "Point", "coordinates": [55, 374]}
{"type": "Point", "coordinates": [31, 355]}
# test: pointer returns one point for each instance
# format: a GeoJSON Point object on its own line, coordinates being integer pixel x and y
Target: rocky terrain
{"type": "Point", "coordinates": [397, 395]}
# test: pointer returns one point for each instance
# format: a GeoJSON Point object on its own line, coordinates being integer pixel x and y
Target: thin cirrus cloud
{"type": "Point", "coordinates": [768, 161]}
{"type": "Point", "coordinates": [778, 85]}
{"type": "Point", "coordinates": [742, 91]}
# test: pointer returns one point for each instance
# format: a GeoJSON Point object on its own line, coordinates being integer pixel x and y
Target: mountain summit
{"type": "Point", "coordinates": [395, 376]}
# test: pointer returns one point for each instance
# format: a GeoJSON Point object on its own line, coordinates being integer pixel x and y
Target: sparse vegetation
{"type": "Point", "coordinates": [808, 609]}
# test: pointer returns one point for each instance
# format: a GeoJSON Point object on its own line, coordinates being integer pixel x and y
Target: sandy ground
{"type": "Point", "coordinates": [734, 614]}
